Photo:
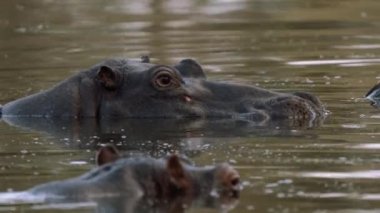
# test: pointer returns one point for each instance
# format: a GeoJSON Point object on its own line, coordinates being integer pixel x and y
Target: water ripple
{"type": "Point", "coordinates": [366, 196]}
{"type": "Point", "coordinates": [353, 126]}
{"type": "Point", "coordinates": [358, 46]}
{"type": "Point", "coordinates": [368, 174]}
{"type": "Point", "coordinates": [367, 146]}
{"type": "Point", "coordinates": [366, 61]}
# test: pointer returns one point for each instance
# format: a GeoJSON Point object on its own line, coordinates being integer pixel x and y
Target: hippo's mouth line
{"type": "Point", "coordinates": [185, 98]}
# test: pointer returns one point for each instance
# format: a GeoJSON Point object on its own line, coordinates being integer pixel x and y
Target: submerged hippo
{"type": "Point", "coordinates": [140, 89]}
{"type": "Point", "coordinates": [142, 177]}
{"type": "Point", "coordinates": [373, 95]}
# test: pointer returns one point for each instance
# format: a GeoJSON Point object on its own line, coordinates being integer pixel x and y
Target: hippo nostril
{"type": "Point", "coordinates": [235, 181]}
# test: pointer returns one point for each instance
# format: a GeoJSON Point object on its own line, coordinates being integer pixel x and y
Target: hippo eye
{"type": "Point", "coordinates": [164, 80]}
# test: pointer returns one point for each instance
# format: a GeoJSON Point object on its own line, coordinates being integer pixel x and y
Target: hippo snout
{"type": "Point", "coordinates": [296, 107]}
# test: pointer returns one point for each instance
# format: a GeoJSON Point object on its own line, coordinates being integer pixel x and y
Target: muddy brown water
{"type": "Point", "coordinates": [329, 48]}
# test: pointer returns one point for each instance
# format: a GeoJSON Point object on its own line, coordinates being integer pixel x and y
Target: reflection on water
{"type": "Point", "coordinates": [154, 136]}
{"type": "Point", "coordinates": [329, 48]}
{"type": "Point", "coordinates": [125, 204]}
{"type": "Point", "coordinates": [340, 62]}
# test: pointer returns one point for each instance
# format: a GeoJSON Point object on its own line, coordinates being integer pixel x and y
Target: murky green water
{"type": "Point", "coordinates": [329, 48]}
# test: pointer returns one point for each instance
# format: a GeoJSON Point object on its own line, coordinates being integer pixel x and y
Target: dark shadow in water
{"type": "Point", "coordinates": [153, 136]}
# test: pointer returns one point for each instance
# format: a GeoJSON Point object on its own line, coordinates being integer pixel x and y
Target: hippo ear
{"type": "Point", "coordinates": [107, 154]}
{"type": "Point", "coordinates": [177, 173]}
{"type": "Point", "coordinates": [109, 78]}
{"type": "Point", "coordinates": [189, 68]}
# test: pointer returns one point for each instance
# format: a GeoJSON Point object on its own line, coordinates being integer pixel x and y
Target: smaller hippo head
{"type": "Point", "coordinates": [142, 176]}
{"type": "Point", "coordinates": [176, 176]}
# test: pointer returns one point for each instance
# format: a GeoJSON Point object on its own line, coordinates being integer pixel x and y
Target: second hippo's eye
{"type": "Point", "coordinates": [164, 80]}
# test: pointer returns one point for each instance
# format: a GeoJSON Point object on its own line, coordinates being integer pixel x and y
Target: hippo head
{"type": "Point", "coordinates": [158, 180]}
{"type": "Point", "coordinates": [140, 89]}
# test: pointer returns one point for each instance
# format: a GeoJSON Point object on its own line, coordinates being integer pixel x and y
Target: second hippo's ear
{"type": "Point", "coordinates": [190, 68]}
{"type": "Point", "coordinates": [109, 78]}
{"type": "Point", "coordinates": [107, 154]}
{"type": "Point", "coordinates": [177, 173]}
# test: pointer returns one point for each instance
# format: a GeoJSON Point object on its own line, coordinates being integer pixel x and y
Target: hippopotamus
{"type": "Point", "coordinates": [141, 176]}
{"type": "Point", "coordinates": [126, 88]}
{"type": "Point", "coordinates": [373, 95]}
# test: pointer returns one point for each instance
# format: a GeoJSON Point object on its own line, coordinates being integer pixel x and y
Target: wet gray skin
{"type": "Point", "coordinates": [141, 176]}
{"type": "Point", "coordinates": [373, 95]}
{"type": "Point", "coordinates": [139, 89]}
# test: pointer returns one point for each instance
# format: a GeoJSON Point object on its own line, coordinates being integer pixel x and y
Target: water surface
{"type": "Point", "coordinates": [329, 48]}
